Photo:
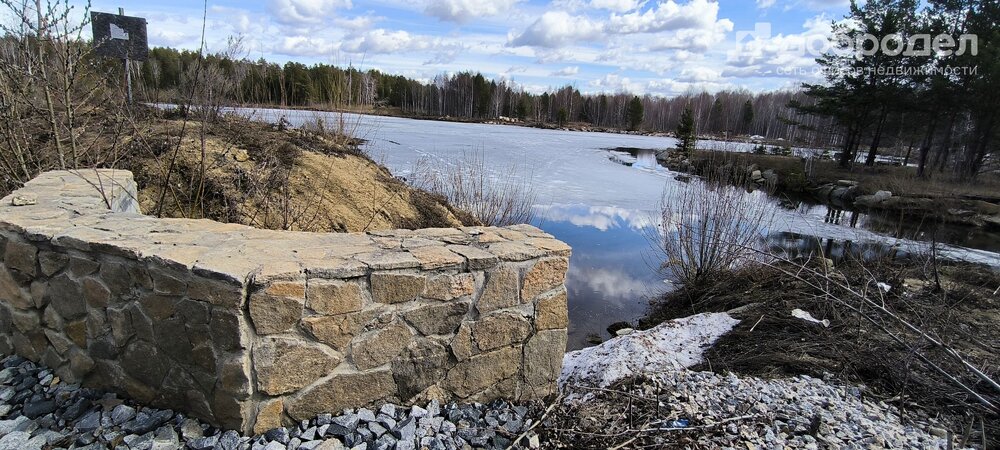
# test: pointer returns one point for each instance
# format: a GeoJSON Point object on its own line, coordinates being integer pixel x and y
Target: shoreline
{"type": "Point", "coordinates": [886, 190]}
{"type": "Point", "coordinates": [569, 126]}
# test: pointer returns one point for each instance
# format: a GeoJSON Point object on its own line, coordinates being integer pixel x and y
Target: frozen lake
{"type": "Point", "coordinates": [604, 209]}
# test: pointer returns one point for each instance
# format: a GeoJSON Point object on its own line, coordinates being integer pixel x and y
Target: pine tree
{"type": "Point", "coordinates": [747, 118]}
{"type": "Point", "coordinates": [686, 131]}
{"type": "Point", "coordinates": [635, 114]}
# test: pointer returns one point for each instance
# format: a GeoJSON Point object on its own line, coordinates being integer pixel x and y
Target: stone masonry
{"type": "Point", "coordinates": [250, 329]}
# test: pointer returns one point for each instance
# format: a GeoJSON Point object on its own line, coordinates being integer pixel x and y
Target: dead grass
{"type": "Point", "coordinates": [769, 342]}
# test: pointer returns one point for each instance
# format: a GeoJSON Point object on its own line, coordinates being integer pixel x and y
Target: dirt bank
{"type": "Point", "coordinates": [267, 176]}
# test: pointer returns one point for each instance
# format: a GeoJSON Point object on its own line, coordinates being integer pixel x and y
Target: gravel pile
{"type": "Point", "coordinates": [38, 411]}
{"type": "Point", "coordinates": [708, 410]}
{"type": "Point", "coordinates": [665, 409]}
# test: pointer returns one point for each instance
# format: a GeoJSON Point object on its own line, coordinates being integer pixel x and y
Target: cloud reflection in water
{"type": "Point", "coordinates": [613, 272]}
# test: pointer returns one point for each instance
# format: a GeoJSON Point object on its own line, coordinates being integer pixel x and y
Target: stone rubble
{"type": "Point", "coordinates": [39, 411]}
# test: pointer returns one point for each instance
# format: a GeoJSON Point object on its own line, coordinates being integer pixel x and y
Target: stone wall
{"type": "Point", "coordinates": [249, 329]}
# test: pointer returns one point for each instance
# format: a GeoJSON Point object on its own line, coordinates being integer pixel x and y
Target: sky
{"type": "Point", "coordinates": [662, 48]}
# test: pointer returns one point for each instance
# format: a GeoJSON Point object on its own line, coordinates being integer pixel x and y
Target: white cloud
{"type": "Point", "coordinates": [696, 40]}
{"type": "Point", "coordinates": [446, 56]}
{"type": "Point", "coordinates": [699, 74]}
{"type": "Point", "coordinates": [556, 29]}
{"type": "Point", "coordinates": [305, 12]}
{"type": "Point", "coordinates": [168, 38]}
{"type": "Point", "coordinates": [696, 14]}
{"type": "Point", "coordinates": [566, 71]}
{"type": "Point", "coordinates": [764, 4]}
{"type": "Point", "coordinates": [616, 83]}
{"type": "Point", "coordinates": [620, 6]}
{"type": "Point", "coordinates": [617, 5]}
{"type": "Point", "coordinates": [304, 46]}
{"type": "Point", "coordinates": [384, 41]}
{"type": "Point", "coordinates": [462, 11]}
{"type": "Point", "coordinates": [357, 23]}
{"type": "Point", "coordinates": [694, 25]}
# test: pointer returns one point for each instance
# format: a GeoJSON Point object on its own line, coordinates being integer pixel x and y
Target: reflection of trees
{"type": "Point", "coordinates": [798, 246]}
{"type": "Point", "coordinates": [835, 216]}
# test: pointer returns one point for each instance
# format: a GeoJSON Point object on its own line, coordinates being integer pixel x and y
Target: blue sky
{"type": "Point", "coordinates": [657, 47]}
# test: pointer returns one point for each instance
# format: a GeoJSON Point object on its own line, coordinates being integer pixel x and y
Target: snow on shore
{"type": "Point", "coordinates": [670, 346]}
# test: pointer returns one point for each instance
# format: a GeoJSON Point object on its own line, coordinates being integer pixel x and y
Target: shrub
{"type": "Point", "coordinates": [711, 227]}
{"type": "Point", "coordinates": [499, 197]}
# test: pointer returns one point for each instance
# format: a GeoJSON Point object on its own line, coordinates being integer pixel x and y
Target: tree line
{"type": "Point", "coordinates": [469, 95]}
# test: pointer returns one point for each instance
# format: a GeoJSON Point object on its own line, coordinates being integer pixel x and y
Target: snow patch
{"type": "Point", "coordinates": [670, 346]}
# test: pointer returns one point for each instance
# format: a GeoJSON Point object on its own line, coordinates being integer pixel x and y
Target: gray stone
{"type": "Point", "coordinates": [21, 256]}
{"type": "Point", "coordinates": [285, 365]}
{"type": "Point", "coordinates": [143, 361]}
{"type": "Point", "coordinates": [277, 307]}
{"type": "Point", "coordinates": [344, 425]}
{"type": "Point", "coordinates": [406, 430]}
{"type": "Point", "coordinates": [438, 318]}
{"type": "Point", "coordinates": [147, 421]}
{"type": "Point", "coordinates": [66, 297]}
{"type": "Point", "coordinates": [380, 346]}
{"type": "Point", "coordinates": [396, 287]}
{"type": "Point", "coordinates": [502, 290]}
{"type": "Point", "coordinates": [483, 371]}
{"type": "Point", "coordinates": [191, 429]}
{"type": "Point", "coordinates": [121, 414]}
{"type": "Point", "coordinates": [24, 200]}
{"type": "Point", "coordinates": [341, 391]}
{"type": "Point", "coordinates": [7, 426]}
{"type": "Point", "coordinates": [478, 259]}
{"type": "Point", "coordinates": [88, 423]}
{"type": "Point", "coordinates": [229, 440]}
{"type": "Point", "coordinates": [205, 443]}
{"type": "Point", "coordinates": [882, 196]}
{"type": "Point", "coordinates": [38, 406]}
{"type": "Point", "coordinates": [334, 297]}
{"type": "Point", "coordinates": [274, 445]}
{"type": "Point", "coordinates": [424, 363]}
{"type": "Point", "coordinates": [139, 442]}
{"type": "Point", "coordinates": [500, 330]}
{"type": "Point", "coordinates": [17, 440]}
{"type": "Point", "coordinates": [279, 434]}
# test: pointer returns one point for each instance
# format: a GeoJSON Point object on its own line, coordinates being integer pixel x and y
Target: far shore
{"type": "Point", "coordinates": [570, 126]}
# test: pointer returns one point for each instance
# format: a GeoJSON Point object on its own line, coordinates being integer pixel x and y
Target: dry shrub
{"type": "Point", "coordinates": [709, 225]}
{"type": "Point", "coordinates": [494, 197]}
{"type": "Point", "coordinates": [869, 339]}
{"type": "Point", "coordinates": [339, 132]}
